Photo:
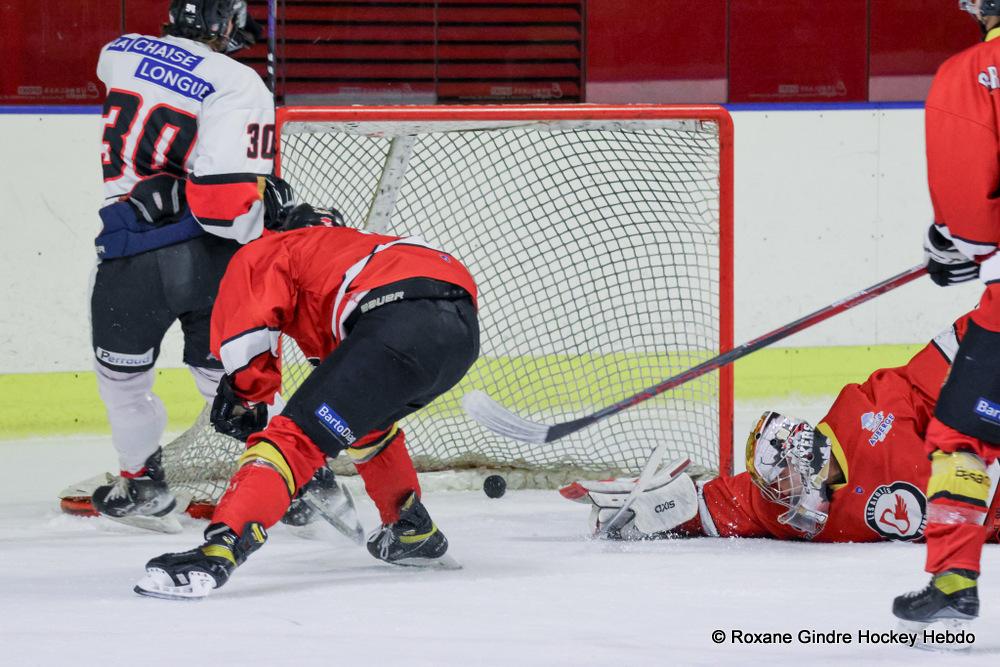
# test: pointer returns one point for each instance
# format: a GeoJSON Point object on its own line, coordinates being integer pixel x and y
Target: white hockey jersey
{"type": "Point", "coordinates": [176, 105]}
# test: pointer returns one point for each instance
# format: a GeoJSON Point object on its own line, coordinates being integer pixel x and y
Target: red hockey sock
{"type": "Point", "coordinates": [257, 492]}
{"type": "Point", "coordinates": [957, 493]}
{"type": "Point", "coordinates": [390, 477]}
{"type": "Point", "coordinates": [953, 546]}
{"type": "Point", "coordinates": [277, 463]}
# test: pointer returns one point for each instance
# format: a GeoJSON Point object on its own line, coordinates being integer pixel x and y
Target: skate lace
{"type": "Point", "coordinates": [119, 489]}
{"type": "Point", "coordinates": [385, 543]}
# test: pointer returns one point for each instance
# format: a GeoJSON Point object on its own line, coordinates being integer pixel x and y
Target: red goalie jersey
{"type": "Point", "coordinates": [876, 429]}
{"type": "Point", "coordinates": [306, 284]}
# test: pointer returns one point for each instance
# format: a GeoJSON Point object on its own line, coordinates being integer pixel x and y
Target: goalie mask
{"type": "Point", "coordinates": [789, 462]}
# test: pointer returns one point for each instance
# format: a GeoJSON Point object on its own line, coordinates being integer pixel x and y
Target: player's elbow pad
{"type": "Point", "coordinates": [228, 205]}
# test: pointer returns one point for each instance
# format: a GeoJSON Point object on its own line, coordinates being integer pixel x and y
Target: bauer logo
{"type": "Point", "coordinates": [335, 424]}
{"type": "Point", "coordinates": [172, 78]}
{"type": "Point", "coordinates": [988, 411]}
{"type": "Point", "coordinates": [897, 511]}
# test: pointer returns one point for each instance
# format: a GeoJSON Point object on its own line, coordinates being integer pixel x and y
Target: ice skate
{"type": "Point", "coordinates": [413, 540]}
{"type": "Point", "coordinates": [192, 575]}
{"type": "Point", "coordinates": [324, 498]}
{"type": "Point", "coordinates": [143, 500]}
{"type": "Point", "coordinates": [946, 605]}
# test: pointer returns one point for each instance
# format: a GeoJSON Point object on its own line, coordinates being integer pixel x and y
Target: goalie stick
{"type": "Point", "coordinates": [502, 421]}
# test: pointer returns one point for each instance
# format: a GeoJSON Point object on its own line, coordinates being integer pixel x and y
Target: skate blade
{"type": "Point", "coordinates": [444, 562]}
{"type": "Point", "coordinates": [946, 635]}
{"type": "Point", "coordinates": [343, 516]}
{"type": "Point", "coordinates": [157, 584]}
{"type": "Point", "coordinates": [160, 524]}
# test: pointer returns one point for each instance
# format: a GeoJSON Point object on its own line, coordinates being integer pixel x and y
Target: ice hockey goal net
{"type": "Point", "coordinates": [601, 241]}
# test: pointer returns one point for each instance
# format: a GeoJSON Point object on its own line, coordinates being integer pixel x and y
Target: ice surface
{"type": "Point", "coordinates": [534, 590]}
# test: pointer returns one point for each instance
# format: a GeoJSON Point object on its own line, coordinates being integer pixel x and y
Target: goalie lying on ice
{"type": "Point", "coordinates": [858, 476]}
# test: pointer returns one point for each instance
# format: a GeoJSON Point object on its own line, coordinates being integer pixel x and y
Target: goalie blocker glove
{"type": "Point", "coordinates": [232, 416]}
{"type": "Point", "coordinates": [945, 264]}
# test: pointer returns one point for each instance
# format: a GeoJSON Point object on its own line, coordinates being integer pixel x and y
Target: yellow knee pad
{"type": "Point", "coordinates": [959, 476]}
{"type": "Point", "coordinates": [264, 452]}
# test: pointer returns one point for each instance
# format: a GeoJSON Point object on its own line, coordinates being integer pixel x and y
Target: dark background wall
{"type": "Point", "coordinates": [528, 50]}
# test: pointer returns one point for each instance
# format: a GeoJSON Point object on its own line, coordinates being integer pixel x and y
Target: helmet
{"type": "Point", "coordinates": [209, 20]}
{"type": "Point", "coordinates": [790, 462]}
{"type": "Point", "coordinates": [980, 8]}
{"type": "Point", "coordinates": [307, 215]}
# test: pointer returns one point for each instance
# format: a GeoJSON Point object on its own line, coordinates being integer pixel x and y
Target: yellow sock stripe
{"type": "Point", "coordinates": [370, 451]}
{"type": "Point", "coordinates": [960, 476]}
{"type": "Point", "coordinates": [266, 451]}
{"type": "Point", "coordinates": [410, 539]}
{"type": "Point", "coordinates": [952, 583]}
{"type": "Point", "coordinates": [218, 551]}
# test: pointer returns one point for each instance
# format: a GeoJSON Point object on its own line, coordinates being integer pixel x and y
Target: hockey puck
{"type": "Point", "coordinates": [494, 486]}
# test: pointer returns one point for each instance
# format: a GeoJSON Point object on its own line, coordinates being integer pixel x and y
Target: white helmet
{"type": "Point", "coordinates": [790, 462]}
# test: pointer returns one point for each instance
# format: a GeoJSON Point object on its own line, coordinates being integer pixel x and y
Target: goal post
{"type": "Point", "coordinates": [601, 240]}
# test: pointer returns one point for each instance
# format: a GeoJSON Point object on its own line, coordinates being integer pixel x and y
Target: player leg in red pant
{"type": "Point", "coordinates": [962, 440]}
{"type": "Point", "coordinates": [364, 386]}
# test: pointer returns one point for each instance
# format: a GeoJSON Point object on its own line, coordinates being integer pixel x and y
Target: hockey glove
{"type": "Point", "coordinates": [158, 200]}
{"type": "Point", "coordinates": [279, 199]}
{"type": "Point", "coordinates": [232, 416]}
{"type": "Point", "coordinates": [307, 215]}
{"type": "Point", "coordinates": [246, 31]}
{"type": "Point", "coordinates": [945, 264]}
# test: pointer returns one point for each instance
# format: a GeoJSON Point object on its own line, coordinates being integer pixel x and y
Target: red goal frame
{"type": "Point", "coordinates": [553, 112]}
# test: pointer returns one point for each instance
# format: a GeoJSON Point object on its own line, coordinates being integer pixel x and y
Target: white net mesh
{"type": "Point", "coordinates": [596, 248]}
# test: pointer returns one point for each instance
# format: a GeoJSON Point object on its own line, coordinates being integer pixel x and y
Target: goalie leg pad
{"type": "Point", "coordinates": [668, 504]}
{"type": "Point", "coordinates": [970, 399]}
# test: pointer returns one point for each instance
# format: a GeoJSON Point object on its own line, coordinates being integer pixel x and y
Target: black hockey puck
{"type": "Point", "coordinates": [494, 486]}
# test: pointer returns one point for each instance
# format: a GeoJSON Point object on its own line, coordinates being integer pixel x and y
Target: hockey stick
{"type": "Point", "coordinates": [499, 419]}
{"type": "Point", "coordinates": [272, 46]}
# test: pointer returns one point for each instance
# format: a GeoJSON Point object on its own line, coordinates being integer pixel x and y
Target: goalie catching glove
{"type": "Point", "coordinates": [946, 265]}
{"type": "Point", "coordinates": [233, 416]}
{"type": "Point", "coordinates": [669, 502]}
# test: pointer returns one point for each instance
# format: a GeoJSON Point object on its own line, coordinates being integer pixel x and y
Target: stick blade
{"type": "Point", "coordinates": [502, 421]}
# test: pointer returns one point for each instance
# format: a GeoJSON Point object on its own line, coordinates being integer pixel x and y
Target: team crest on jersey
{"type": "Point", "coordinates": [989, 79]}
{"type": "Point", "coordinates": [879, 424]}
{"type": "Point", "coordinates": [897, 511]}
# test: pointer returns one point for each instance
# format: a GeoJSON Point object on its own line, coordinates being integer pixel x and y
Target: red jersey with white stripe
{"type": "Point", "coordinates": [877, 433]}
{"type": "Point", "coordinates": [962, 116]}
{"type": "Point", "coordinates": [306, 283]}
{"type": "Point", "coordinates": [174, 105]}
